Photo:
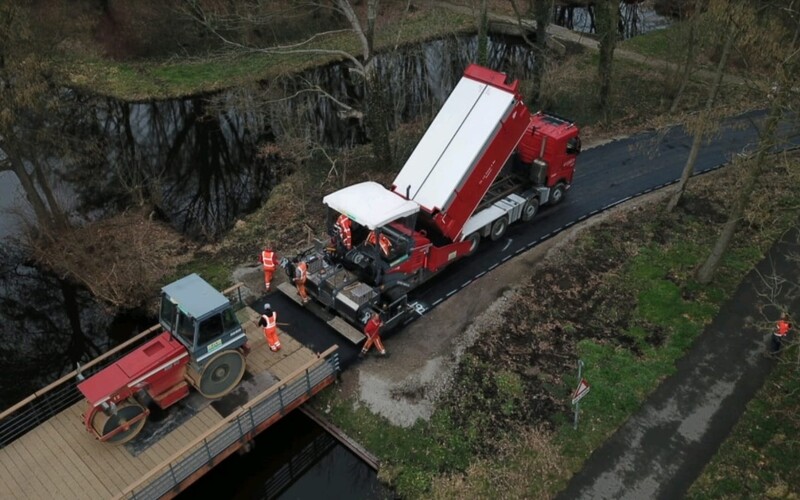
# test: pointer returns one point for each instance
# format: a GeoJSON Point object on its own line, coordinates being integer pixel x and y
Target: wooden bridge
{"type": "Point", "coordinates": [46, 452]}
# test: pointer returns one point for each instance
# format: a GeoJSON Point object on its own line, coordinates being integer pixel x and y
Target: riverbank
{"type": "Point", "coordinates": [230, 67]}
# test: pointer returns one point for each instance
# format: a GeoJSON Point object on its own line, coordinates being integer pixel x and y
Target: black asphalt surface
{"type": "Point", "coordinates": [724, 366]}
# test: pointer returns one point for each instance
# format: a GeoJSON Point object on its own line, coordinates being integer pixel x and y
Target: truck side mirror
{"type": "Point", "coordinates": [574, 146]}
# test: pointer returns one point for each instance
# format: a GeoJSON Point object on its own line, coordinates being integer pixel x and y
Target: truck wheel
{"type": "Point", "coordinates": [530, 209]}
{"type": "Point", "coordinates": [558, 193]}
{"type": "Point", "coordinates": [499, 228]}
{"type": "Point", "coordinates": [474, 239]}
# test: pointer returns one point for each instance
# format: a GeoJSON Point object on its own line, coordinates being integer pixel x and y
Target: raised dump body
{"type": "Point", "coordinates": [465, 148]}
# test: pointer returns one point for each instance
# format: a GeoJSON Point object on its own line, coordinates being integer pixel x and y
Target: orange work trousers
{"type": "Point", "coordinates": [268, 278]}
{"type": "Point", "coordinates": [271, 334]}
{"type": "Point", "coordinates": [376, 340]}
{"type": "Point", "coordinates": [301, 290]}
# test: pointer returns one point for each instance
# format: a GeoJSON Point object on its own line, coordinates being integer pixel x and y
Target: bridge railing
{"type": "Point", "coordinates": [63, 393]}
{"type": "Point", "coordinates": [240, 426]}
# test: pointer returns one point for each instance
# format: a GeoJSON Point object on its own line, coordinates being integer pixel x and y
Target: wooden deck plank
{"type": "Point", "coordinates": [53, 463]}
{"type": "Point", "coordinates": [87, 478]}
{"type": "Point", "coordinates": [36, 475]}
{"type": "Point", "coordinates": [90, 451]}
{"type": "Point", "coordinates": [26, 468]}
{"type": "Point", "coordinates": [9, 481]}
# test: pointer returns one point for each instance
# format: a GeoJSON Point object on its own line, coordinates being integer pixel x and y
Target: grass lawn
{"type": "Point", "coordinates": [178, 78]}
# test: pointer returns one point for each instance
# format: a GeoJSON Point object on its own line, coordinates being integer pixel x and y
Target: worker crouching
{"type": "Point", "coordinates": [373, 333]}
{"type": "Point", "coordinates": [269, 320]}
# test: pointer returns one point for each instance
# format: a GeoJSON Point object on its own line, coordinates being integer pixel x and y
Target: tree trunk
{"type": "Point", "coordinates": [483, 34]}
{"type": "Point", "coordinates": [378, 118]}
{"type": "Point", "coordinates": [542, 10]}
{"type": "Point", "coordinates": [689, 62]}
{"type": "Point", "coordinates": [688, 169]}
{"type": "Point", "coordinates": [43, 217]}
{"type": "Point", "coordinates": [607, 14]}
{"type": "Point", "coordinates": [59, 218]}
{"type": "Point", "coordinates": [706, 272]}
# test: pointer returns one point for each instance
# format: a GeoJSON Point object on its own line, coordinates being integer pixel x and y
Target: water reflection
{"type": "Point", "coordinates": [47, 326]}
{"type": "Point", "coordinates": [293, 459]}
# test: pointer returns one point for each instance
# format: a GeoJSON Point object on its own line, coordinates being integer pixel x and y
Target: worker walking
{"type": "Point", "coordinates": [373, 332]}
{"type": "Point", "coordinates": [269, 321]}
{"type": "Point", "coordinates": [300, 274]}
{"type": "Point", "coordinates": [782, 327]}
{"type": "Point", "coordinates": [269, 260]}
{"type": "Point", "coordinates": [344, 230]}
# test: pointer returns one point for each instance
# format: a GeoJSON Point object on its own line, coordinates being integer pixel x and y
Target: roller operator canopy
{"type": "Point", "coordinates": [370, 204]}
{"type": "Point", "coordinates": [195, 296]}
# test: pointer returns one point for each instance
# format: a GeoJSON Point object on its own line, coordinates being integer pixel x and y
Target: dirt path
{"type": "Point", "coordinates": [663, 447]}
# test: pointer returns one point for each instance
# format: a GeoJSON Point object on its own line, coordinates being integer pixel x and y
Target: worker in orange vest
{"type": "Point", "coordinates": [269, 260]}
{"type": "Point", "coordinates": [373, 333]}
{"type": "Point", "coordinates": [269, 320]}
{"type": "Point", "coordinates": [386, 245]}
{"type": "Point", "coordinates": [300, 275]}
{"type": "Point", "coordinates": [344, 230]}
{"type": "Point", "coordinates": [782, 327]}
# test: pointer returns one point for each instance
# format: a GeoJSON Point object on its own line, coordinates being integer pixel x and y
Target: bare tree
{"type": "Point", "coordinates": [607, 13]}
{"type": "Point", "coordinates": [783, 49]}
{"type": "Point", "coordinates": [705, 118]}
{"type": "Point", "coordinates": [542, 11]}
{"type": "Point", "coordinates": [376, 103]}
{"type": "Point", "coordinates": [29, 101]}
{"type": "Point", "coordinates": [689, 61]}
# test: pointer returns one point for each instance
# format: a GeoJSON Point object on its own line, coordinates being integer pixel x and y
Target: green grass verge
{"type": "Point", "coordinates": [179, 78]}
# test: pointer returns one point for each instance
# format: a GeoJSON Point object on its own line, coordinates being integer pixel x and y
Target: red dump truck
{"type": "Point", "coordinates": [485, 162]}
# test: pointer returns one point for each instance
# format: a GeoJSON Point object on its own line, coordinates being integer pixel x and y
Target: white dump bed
{"type": "Point", "coordinates": [453, 144]}
{"type": "Point", "coordinates": [370, 204]}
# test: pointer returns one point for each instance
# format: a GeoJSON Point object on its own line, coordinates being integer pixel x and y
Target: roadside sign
{"type": "Point", "coordinates": [581, 391]}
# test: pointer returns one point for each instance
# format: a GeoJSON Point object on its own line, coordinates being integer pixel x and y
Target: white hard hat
{"type": "Point", "coordinates": [267, 306]}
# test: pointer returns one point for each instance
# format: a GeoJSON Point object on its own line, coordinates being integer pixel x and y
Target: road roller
{"type": "Point", "coordinates": [202, 346]}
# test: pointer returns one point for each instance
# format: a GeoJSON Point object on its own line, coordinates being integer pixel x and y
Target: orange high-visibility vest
{"type": "Point", "coordinates": [271, 320]}
{"type": "Point", "coordinates": [300, 272]}
{"type": "Point", "coordinates": [386, 245]}
{"type": "Point", "coordinates": [373, 326]}
{"type": "Point", "coordinates": [782, 328]}
{"type": "Point", "coordinates": [268, 260]}
{"type": "Point", "coordinates": [343, 226]}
